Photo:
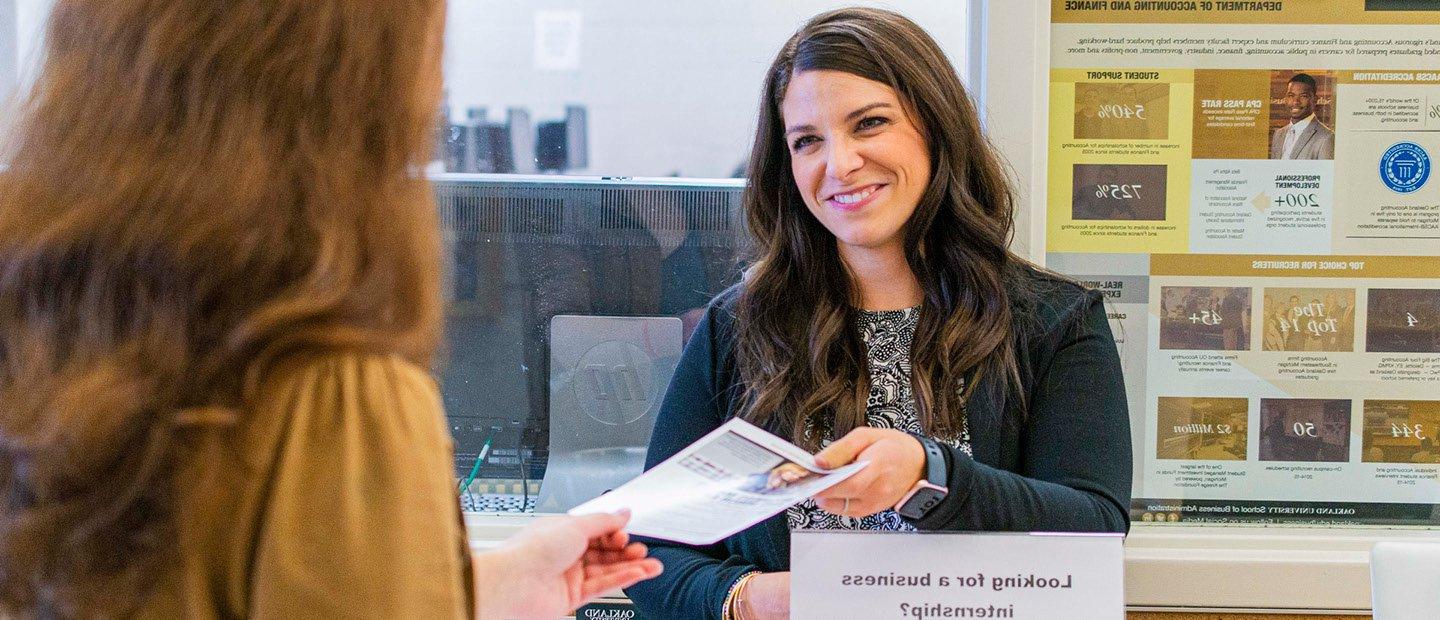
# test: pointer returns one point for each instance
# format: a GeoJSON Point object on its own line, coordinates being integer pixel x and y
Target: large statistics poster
{"type": "Point", "coordinates": [1251, 185]}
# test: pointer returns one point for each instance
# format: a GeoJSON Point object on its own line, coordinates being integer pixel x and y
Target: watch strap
{"type": "Point", "coordinates": [934, 461]}
{"type": "Point", "coordinates": [930, 490]}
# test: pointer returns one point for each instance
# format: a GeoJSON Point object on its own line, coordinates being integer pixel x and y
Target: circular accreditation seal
{"type": "Point", "coordinates": [1405, 167]}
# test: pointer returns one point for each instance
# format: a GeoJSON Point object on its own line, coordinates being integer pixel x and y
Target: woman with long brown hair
{"type": "Point", "coordinates": [219, 300]}
{"type": "Point", "coordinates": [884, 319]}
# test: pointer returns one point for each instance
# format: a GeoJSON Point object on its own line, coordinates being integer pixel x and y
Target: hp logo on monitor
{"type": "Point", "coordinates": [612, 382]}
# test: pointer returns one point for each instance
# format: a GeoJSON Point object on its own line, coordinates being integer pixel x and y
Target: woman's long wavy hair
{"type": "Point", "coordinates": [799, 354]}
{"type": "Point", "coordinates": [197, 191]}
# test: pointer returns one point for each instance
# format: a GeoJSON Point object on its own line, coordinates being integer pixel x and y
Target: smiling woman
{"type": "Point", "coordinates": [885, 319]}
{"type": "Point", "coordinates": [858, 158]}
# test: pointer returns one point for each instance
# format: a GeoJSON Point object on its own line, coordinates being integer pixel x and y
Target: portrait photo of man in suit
{"type": "Point", "coordinates": [1305, 137]}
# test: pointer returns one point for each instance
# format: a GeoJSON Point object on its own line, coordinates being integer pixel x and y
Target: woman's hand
{"type": "Point", "coordinates": [557, 564]}
{"type": "Point", "coordinates": [897, 462]}
{"type": "Point", "coordinates": [766, 597]}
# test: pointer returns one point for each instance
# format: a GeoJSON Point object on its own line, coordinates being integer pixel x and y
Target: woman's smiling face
{"type": "Point", "coordinates": [858, 158]}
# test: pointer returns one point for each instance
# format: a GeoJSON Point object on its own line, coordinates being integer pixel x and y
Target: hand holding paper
{"type": "Point", "coordinates": [896, 461]}
{"type": "Point", "coordinates": [732, 478]}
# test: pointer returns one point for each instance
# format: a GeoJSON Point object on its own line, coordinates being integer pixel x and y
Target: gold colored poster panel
{"type": "Point", "coordinates": [1202, 429]}
{"type": "Point", "coordinates": [1230, 115]}
{"type": "Point", "coordinates": [1401, 431]}
{"type": "Point", "coordinates": [1122, 111]}
{"type": "Point", "coordinates": [1377, 12]}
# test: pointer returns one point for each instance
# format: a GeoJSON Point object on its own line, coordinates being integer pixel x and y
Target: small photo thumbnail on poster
{"type": "Point", "coordinates": [1122, 111]}
{"type": "Point", "coordinates": [1308, 319]}
{"type": "Point", "coordinates": [1209, 318]}
{"type": "Point", "coordinates": [1304, 429]}
{"type": "Point", "coordinates": [1401, 431]}
{"type": "Point", "coordinates": [1202, 428]}
{"type": "Point", "coordinates": [1302, 115]}
{"type": "Point", "coordinates": [1403, 320]}
{"type": "Point", "coordinates": [1118, 192]}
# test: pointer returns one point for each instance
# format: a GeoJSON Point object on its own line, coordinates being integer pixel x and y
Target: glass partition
{"type": "Point", "coordinates": [569, 301]}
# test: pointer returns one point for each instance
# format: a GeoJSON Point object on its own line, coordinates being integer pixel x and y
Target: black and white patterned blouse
{"type": "Point", "coordinates": [888, 336]}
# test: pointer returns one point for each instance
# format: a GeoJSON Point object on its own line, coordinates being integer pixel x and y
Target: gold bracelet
{"type": "Point", "coordinates": [740, 593]}
{"type": "Point", "coordinates": [731, 609]}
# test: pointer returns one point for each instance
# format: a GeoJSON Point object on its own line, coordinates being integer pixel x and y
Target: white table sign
{"type": "Point", "coordinates": [949, 575]}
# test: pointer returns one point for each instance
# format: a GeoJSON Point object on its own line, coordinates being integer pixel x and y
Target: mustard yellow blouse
{"type": "Point", "coordinates": [334, 499]}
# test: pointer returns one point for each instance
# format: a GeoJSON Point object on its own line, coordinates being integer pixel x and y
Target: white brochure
{"type": "Point", "coordinates": [734, 477]}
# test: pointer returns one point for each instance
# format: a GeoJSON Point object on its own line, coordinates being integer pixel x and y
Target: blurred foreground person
{"type": "Point", "coordinates": [219, 298]}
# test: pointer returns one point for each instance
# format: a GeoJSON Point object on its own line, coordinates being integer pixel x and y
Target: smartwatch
{"type": "Point", "coordinates": [930, 490]}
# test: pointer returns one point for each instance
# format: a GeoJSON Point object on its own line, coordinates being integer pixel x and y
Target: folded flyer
{"type": "Point", "coordinates": [734, 477]}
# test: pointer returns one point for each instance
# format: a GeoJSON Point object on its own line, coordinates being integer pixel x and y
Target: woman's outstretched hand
{"type": "Point", "coordinates": [557, 564]}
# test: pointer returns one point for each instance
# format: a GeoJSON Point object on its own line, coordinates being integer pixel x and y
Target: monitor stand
{"type": "Point", "coordinates": [607, 378]}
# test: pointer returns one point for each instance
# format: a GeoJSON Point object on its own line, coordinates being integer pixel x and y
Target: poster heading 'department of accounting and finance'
{"type": "Point", "coordinates": [1251, 185]}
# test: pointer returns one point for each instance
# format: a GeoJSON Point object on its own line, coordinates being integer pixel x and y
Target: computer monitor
{"type": "Point", "coordinates": [522, 250]}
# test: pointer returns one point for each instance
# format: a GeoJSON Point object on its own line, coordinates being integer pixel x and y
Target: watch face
{"type": "Point", "coordinates": [921, 502]}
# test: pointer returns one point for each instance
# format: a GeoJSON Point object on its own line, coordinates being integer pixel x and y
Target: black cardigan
{"type": "Point", "coordinates": [1066, 467]}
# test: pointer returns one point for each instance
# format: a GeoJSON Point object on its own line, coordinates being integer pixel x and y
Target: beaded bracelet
{"type": "Point", "coordinates": [730, 610]}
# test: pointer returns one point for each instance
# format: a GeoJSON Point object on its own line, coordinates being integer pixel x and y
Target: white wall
{"type": "Point", "coordinates": [670, 87]}
{"type": "Point", "coordinates": [7, 49]}
{"type": "Point", "coordinates": [29, 16]}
